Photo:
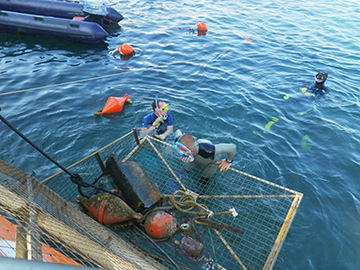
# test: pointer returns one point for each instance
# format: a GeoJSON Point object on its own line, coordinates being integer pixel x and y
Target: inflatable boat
{"type": "Point", "coordinates": [70, 20]}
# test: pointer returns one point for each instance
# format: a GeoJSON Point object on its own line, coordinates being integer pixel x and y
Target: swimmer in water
{"type": "Point", "coordinates": [317, 89]}
{"type": "Point", "coordinates": [160, 121]}
{"type": "Point", "coordinates": [204, 153]}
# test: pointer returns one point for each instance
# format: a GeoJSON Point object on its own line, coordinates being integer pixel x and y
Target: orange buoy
{"type": "Point", "coordinates": [108, 209]}
{"type": "Point", "coordinates": [202, 27]}
{"type": "Point", "coordinates": [113, 105]}
{"type": "Point", "coordinates": [126, 49]}
{"type": "Point", "coordinates": [159, 224]}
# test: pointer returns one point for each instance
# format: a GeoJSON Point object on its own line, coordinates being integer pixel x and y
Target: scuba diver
{"type": "Point", "coordinates": [318, 88]}
{"type": "Point", "coordinates": [160, 121]}
{"type": "Point", "coordinates": [203, 152]}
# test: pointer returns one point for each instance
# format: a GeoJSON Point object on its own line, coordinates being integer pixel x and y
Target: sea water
{"type": "Point", "coordinates": [225, 86]}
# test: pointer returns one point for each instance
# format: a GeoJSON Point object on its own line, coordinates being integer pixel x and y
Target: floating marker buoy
{"type": "Point", "coordinates": [159, 224]}
{"type": "Point", "coordinates": [114, 105]}
{"type": "Point", "coordinates": [247, 40]}
{"type": "Point", "coordinates": [202, 27]}
{"type": "Point", "coordinates": [126, 49]}
{"type": "Point", "coordinates": [108, 209]}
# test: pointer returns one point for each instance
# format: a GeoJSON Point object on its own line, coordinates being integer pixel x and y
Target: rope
{"type": "Point", "coordinates": [157, 246]}
{"type": "Point", "coordinates": [66, 83]}
{"type": "Point", "coordinates": [187, 204]}
{"type": "Point", "coordinates": [75, 178]}
{"type": "Point", "coordinates": [91, 79]}
{"type": "Point", "coordinates": [213, 248]}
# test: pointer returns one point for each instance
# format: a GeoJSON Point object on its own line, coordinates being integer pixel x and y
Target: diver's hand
{"type": "Point", "coordinates": [160, 137]}
{"type": "Point", "coordinates": [158, 122]}
{"type": "Point", "coordinates": [224, 165]}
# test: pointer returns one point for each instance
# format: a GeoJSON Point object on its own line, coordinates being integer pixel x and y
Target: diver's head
{"type": "Point", "coordinates": [189, 141]}
{"type": "Point", "coordinates": [160, 108]}
{"type": "Point", "coordinates": [186, 147]}
{"type": "Point", "coordinates": [321, 77]}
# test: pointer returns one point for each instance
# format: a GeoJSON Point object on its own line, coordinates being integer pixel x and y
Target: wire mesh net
{"type": "Point", "coordinates": [246, 221]}
{"type": "Point", "coordinates": [37, 224]}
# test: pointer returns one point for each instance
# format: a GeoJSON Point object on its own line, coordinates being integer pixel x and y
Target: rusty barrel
{"type": "Point", "coordinates": [138, 190]}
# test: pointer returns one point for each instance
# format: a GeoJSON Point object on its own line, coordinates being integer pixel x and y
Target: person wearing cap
{"type": "Point", "coordinates": [160, 122]}
{"type": "Point", "coordinates": [203, 152]}
{"type": "Point", "coordinates": [318, 88]}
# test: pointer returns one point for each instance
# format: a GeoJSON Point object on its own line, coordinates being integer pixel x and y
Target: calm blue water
{"type": "Point", "coordinates": [219, 87]}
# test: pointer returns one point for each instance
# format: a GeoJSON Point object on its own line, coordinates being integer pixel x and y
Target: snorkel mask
{"type": "Point", "coordinates": [165, 108]}
{"type": "Point", "coordinates": [184, 152]}
{"type": "Point", "coordinates": [321, 77]}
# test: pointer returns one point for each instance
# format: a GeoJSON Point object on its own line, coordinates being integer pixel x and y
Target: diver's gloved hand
{"type": "Point", "coordinates": [160, 137]}
{"type": "Point", "coordinates": [158, 122]}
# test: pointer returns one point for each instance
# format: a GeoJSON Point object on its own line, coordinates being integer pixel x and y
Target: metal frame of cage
{"type": "Point", "coordinates": [273, 196]}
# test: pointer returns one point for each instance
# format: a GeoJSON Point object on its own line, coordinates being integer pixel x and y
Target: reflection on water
{"type": "Point", "coordinates": [219, 88]}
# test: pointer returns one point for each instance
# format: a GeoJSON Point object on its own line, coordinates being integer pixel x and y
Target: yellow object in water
{"type": "Point", "coordinates": [303, 90]}
{"type": "Point", "coordinates": [306, 139]}
{"type": "Point", "coordinates": [273, 121]}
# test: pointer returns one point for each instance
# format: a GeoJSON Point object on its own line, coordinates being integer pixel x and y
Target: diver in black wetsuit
{"type": "Point", "coordinates": [317, 89]}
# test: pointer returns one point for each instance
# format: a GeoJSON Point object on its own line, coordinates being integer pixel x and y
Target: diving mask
{"type": "Point", "coordinates": [320, 77]}
{"type": "Point", "coordinates": [165, 108]}
{"type": "Point", "coordinates": [184, 152]}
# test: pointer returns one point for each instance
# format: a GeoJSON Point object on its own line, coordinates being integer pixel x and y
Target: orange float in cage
{"type": "Point", "coordinates": [108, 209]}
{"type": "Point", "coordinates": [159, 224]}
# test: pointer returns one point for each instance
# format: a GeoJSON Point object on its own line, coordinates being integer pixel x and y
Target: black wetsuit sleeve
{"type": "Point", "coordinates": [207, 150]}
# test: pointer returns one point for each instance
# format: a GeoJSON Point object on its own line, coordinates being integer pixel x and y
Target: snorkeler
{"type": "Point", "coordinates": [160, 121]}
{"type": "Point", "coordinates": [204, 153]}
{"type": "Point", "coordinates": [318, 88]}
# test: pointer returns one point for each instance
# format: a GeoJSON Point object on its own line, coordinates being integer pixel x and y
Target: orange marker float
{"type": "Point", "coordinates": [202, 29]}
{"type": "Point", "coordinates": [114, 105]}
{"type": "Point", "coordinates": [125, 50]}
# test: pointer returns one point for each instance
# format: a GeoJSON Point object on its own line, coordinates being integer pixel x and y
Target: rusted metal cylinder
{"type": "Point", "coordinates": [138, 190]}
